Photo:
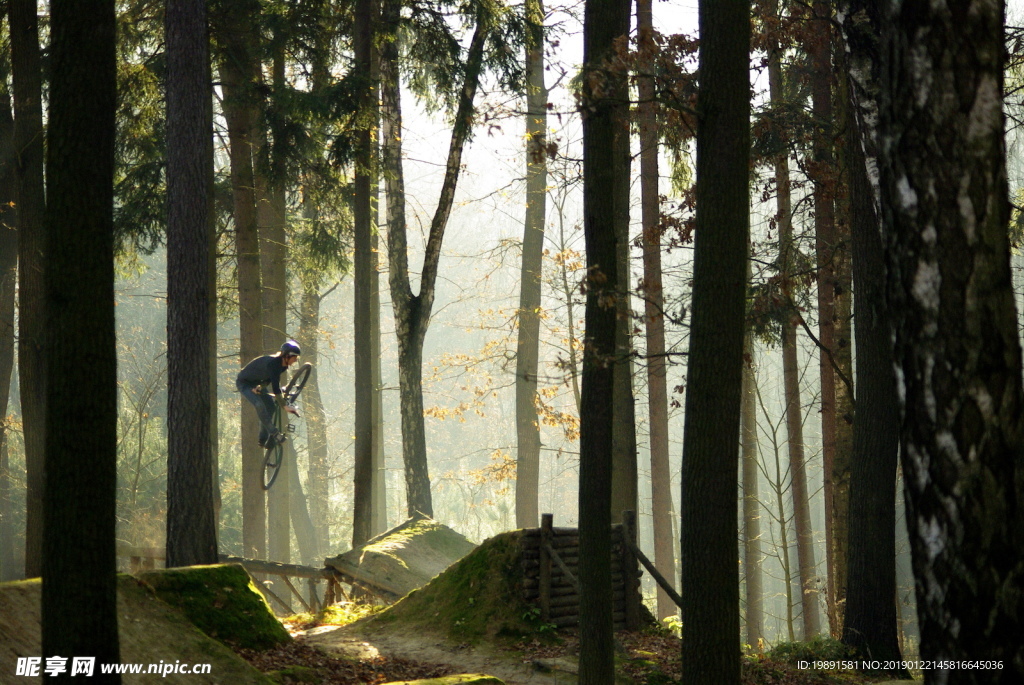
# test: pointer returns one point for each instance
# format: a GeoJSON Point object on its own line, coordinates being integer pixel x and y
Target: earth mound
{"type": "Point", "coordinates": [478, 597]}
{"type": "Point", "coordinates": [151, 632]}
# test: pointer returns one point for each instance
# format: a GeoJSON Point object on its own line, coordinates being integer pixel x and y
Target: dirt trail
{"type": "Point", "coordinates": [508, 665]}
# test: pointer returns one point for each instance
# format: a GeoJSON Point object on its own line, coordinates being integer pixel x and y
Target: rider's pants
{"type": "Point", "coordinates": [264, 409]}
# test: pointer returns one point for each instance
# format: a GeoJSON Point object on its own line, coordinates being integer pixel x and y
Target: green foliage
{"type": "Point", "coordinates": [140, 152]}
{"type": "Point", "coordinates": [343, 613]}
{"type": "Point", "coordinates": [819, 648]}
{"type": "Point", "coordinates": [433, 50]}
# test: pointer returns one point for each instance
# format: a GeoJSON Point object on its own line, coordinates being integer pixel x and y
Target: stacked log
{"type": "Point", "coordinates": [552, 586]}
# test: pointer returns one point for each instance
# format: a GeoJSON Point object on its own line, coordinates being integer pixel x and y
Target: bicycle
{"type": "Point", "coordinates": [275, 450]}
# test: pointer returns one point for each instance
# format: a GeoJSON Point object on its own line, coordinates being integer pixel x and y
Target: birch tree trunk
{"type": "Point", "coordinates": [957, 353]}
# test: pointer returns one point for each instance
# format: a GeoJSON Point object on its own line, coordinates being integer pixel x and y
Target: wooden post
{"type": "Point", "coordinates": [546, 535]}
{"type": "Point", "coordinates": [630, 572]}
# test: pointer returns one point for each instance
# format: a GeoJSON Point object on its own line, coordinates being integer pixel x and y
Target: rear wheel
{"type": "Point", "coordinates": [275, 454]}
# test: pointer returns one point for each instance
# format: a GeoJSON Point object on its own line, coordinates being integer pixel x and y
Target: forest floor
{"type": "Point", "coordinates": [363, 653]}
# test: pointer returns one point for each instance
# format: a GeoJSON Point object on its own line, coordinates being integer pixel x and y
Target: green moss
{"type": "Point", "coordinates": [222, 602]}
{"type": "Point", "coordinates": [818, 648]}
{"type": "Point", "coordinates": [479, 596]}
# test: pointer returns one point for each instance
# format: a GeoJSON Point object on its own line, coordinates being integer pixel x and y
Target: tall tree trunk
{"type": "Point", "coordinates": [624, 470]}
{"type": "Point", "coordinates": [825, 249]}
{"type": "Point", "coordinates": [412, 312]}
{"type": "Point", "coordinates": [79, 604]}
{"type": "Point", "coordinates": [870, 622]}
{"type": "Point", "coordinates": [318, 473]}
{"type": "Point", "coordinates": [8, 284]}
{"type": "Point", "coordinates": [791, 373]}
{"type": "Point", "coordinates": [624, 474]}
{"type": "Point", "coordinates": [654, 307]}
{"type": "Point", "coordinates": [271, 210]}
{"type": "Point", "coordinates": [191, 519]}
{"type": "Point", "coordinates": [239, 72]}
{"type": "Point", "coordinates": [31, 202]}
{"type": "Point", "coordinates": [362, 515]}
{"type": "Point", "coordinates": [528, 342]}
{"type": "Point", "coordinates": [605, 139]}
{"type": "Point", "coordinates": [310, 552]}
{"type": "Point", "coordinates": [379, 509]}
{"type": "Point", "coordinates": [838, 565]}
{"type": "Point", "coordinates": [710, 578]}
{"type": "Point", "coordinates": [754, 607]}
{"type": "Point", "coordinates": [957, 351]}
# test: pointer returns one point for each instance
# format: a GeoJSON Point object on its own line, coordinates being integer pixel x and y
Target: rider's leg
{"type": "Point", "coordinates": [264, 410]}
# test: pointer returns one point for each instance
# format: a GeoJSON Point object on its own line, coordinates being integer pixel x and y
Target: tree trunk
{"type": "Point", "coordinates": [271, 216]}
{"type": "Point", "coordinates": [318, 473]}
{"type": "Point", "coordinates": [528, 342]}
{"type": "Point", "coordinates": [870, 624]}
{"type": "Point", "coordinates": [412, 312]}
{"type": "Point", "coordinates": [191, 520]}
{"type": "Point", "coordinates": [654, 306]}
{"type": "Point", "coordinates": [239, 73]}
{"type": "Point", "coordinates": [365, 170]}
{"type": "Point", "coordinates": [310, 552]}
{"type": "Point", "coordinates": [605, 140]}
{"type": "Point", "coordinates": [791, 375]}
{"type": "Point", "coordinates": [624, 469]}
{"type": "Point", "coordinates": [79, 604]}
{"type": "Point", "coordinates": [379, 508]}
{"type": "Point", "coordinates": [31, 203]}
{"type": "Point", "coordinates": [754, 607]}
{"type": "Point", "coordinates": [710, 577]}
{"type": "Point", "coordinates": [957, 354]}
{"type": "Point", "coordinates": [8, 284]}
{"type": "Point", "coordinates": [825, 247]}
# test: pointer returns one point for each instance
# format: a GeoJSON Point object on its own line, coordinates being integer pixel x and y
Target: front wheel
{"type": "Point", "coordinates": [297, 383]}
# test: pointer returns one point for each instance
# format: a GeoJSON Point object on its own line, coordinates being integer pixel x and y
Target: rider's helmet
{"type": "Point", "coordinates": [290, 348]}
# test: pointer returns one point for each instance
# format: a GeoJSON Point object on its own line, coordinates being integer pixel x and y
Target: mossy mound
{"type": "Point", "coordinates": [404, 558]}
{"type": "Point", "coordinates": [222, 601]}
{"type": "Point", "coordinates": [480, 596]}
{"type": "Point", "coordinates": [150, 632]}
{"type": "Point", "coordinates": [461, 679]}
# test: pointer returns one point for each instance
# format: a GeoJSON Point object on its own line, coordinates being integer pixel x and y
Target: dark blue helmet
{"type": "Point", "coordinates": [290, 349]}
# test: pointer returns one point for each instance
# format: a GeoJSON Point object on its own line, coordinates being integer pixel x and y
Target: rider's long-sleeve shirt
{"type": "Point", "coordinates": [263, 371]}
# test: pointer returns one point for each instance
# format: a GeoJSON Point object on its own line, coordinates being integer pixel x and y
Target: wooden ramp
{"type": "Point", "coordinates": [402, 559]}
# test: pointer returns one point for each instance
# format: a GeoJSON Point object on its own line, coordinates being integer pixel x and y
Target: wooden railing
{"type": "Point", "coordinates": [550, 558]}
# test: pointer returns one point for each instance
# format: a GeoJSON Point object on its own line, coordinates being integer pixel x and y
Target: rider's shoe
{"type": "Point", "coordinates": [262, 443]}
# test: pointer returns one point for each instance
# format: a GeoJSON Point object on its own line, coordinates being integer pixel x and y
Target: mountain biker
{"type": "Point", "coordinates": [263, 374]}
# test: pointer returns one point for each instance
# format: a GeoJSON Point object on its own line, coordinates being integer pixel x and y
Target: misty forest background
{"type": "Point", "coordinates": [305, 112]}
